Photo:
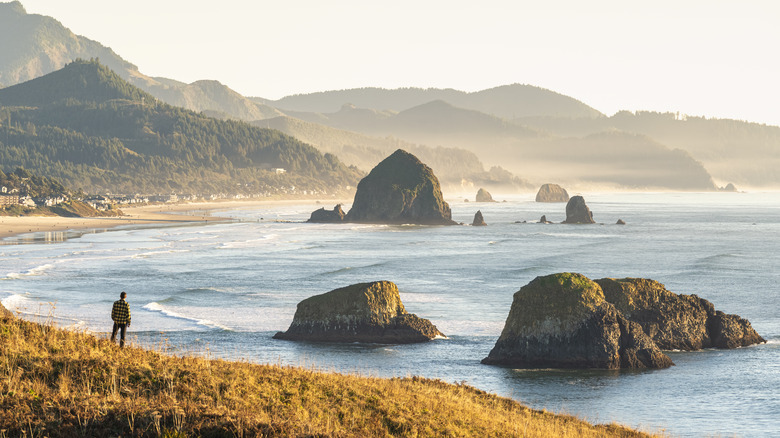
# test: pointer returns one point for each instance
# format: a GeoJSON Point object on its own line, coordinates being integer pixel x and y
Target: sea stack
{"type": "Point", "coordinates": [479, 221]}
{"type": "Point", "coordinates": [364, 312]}
{"type": "Point", "coordinates": [327, 216]}
{"type": "Point", "coordinates": [563, 321]}
{"type": "Point", "coordinates": [677, 322]}
{"type": "Point", "coordinates": [400, 190]}
{"type": "Point", "coordinates": [484, 196]}
{"type": "Point", "coordinates": [551, 193]}
{"type": "Point", "coordinates": [577, 212]}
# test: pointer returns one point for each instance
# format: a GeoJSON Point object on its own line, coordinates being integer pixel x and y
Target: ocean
{"type": "Point", "coordinates": [223, 289]}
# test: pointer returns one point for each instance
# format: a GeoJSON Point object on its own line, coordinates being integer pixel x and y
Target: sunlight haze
{"type": "Point", "coordinates": [703, 58]}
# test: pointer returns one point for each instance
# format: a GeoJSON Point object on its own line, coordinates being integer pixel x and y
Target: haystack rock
{"type": "Point", "coordinates": [479, 221]}
{"type": "Point", "coordinates": [400, 190]}
{"type": "Point", "coordinates": [577, 212]}
{"type": "Point", "coordinates": [327, 216]}
{"type": "Point", "coordinates": [365, 312]}
{"type": "Point", "coordinates": [484, 196]}
{"type": "Point", "coordinates": [563, 321]}
{"type": "Point", "coordinates": [551, 193]}
{"type": "Point", "coordinates": [677, 322]}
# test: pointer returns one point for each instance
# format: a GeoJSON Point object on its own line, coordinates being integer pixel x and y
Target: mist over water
{"type": "Point", "coordinates": [224, 289]}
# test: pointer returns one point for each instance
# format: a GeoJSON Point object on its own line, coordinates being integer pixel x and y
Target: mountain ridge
{"type": "Point", "coordinates": [100, 133]}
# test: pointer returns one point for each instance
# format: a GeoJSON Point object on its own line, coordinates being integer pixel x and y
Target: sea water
{"type": "Point", "coordinates": [222, 290]}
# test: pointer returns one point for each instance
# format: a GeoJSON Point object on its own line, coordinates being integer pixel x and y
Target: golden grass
{"type": "Point", "coordinates": [58, 383]}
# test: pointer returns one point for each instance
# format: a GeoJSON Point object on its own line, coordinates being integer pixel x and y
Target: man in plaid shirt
{"type": "Point", "coordinates": [120, 313]}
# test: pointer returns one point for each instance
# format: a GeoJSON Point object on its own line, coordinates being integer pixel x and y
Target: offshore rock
{"type": "Point", "coordinates": [365, 312]}
{"type": "Point", "coordinates": [563, 321]}
{"type": "Point", "coordinates": [551, 193]}
{"type": "Point", "coordinates": [677, 322]}
{"type": "Point", "coordinates": [620, 222]}
{"type": "Point", "coordinates": [327, 216]}
{"type": "Point", "coordinates": [577, 212]}
{"type": "Point", "coordinates": [543, 220]}
{"type": "Point", "coordinates": [400, 190]}
{"type": "Point", "coordinates": [484, 196]}
{"type": "Point", "coordinates": [479, 221]}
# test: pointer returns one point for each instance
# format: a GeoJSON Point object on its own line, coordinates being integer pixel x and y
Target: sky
{"type": "Point", "coordinates": [710, 58]}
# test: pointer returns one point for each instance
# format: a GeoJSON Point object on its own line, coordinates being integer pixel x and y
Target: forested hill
{"type": "Point", "coordinates": [92, 130]}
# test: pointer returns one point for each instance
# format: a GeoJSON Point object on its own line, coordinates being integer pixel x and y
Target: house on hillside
{"type": "Point", "coordinates": [6, 199]}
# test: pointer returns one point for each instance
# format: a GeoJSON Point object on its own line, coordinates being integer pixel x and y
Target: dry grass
{"type": "Point", "coordinates": [59, 383]}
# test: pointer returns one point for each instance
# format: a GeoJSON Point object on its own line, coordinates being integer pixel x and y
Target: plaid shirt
{"type": "Point", "coordinates": [120, 313]}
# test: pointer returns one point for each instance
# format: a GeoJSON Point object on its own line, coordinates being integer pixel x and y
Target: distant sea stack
{"type": "Point", "coordinates": [677, 322]}
{"type": "Point", "coordinates": [479, 221]}
{"type": "Point", "coordinates": [563, 321]}
{"type": "Point", "coordinates": [551, 193]}
{"type": "Point", "coordinates": [577, 212]}
{"type": "Point", "coordinates": [484, 196]}
{"type": "Point", "coordinates": [400, 190]}
{"type": "Point", "coordinates": [365, 312]}
{"type": "Point", "coordinates": [327, 216]}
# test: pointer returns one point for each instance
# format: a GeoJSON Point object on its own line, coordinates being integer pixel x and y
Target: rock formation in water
{"type": "Point", "coordinates": [543, 220]}
{"type": "Point", "coordinates": [620, 222]}
{"type": "Point", "coordinates": [484, 196]}
{"type": "Point", "coordinates": [563, 321]}
{"type": "Point", "coordinates": [551, 193]}
{"type": "Point", "coordinates": [365, 312]}
{"type": "Point", "coordinates": [577, 212]}
{"type": "Point", "coordinates": [5, 313]}
{"type": "Point", "coordinates": [677, 322]}
{"type": "Point", "coordinates": [479, 221]}
{"type": "Point", "coordinates": [327, 216]}
{"type": "Point", "coordinates": [730, 187]}
{"type": "Point", "coordinates": [400, 190]}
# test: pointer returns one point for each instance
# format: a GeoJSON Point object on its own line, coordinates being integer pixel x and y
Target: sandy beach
{"type": "Point", "coordinates": [142, 215]}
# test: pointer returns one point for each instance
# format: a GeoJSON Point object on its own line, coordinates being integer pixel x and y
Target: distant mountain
{"type": "Point", "coordinates": [746, 154]}
{"type": "Point", "coordinates": [457, 169]}
{"type": "Point", "coordinates": [88, 127]}
{"type": "Point", "coordinates": [509, 101]}
{"type": "Point", "coordinates": [34, 45]}
{"type": "Point", "coordinates": [608, 160]}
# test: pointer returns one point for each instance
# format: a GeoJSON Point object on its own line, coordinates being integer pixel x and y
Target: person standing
{"type": "Point", "coordinates": [120, 313]}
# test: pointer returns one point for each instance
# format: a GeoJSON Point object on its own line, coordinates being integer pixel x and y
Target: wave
{"type": "Point", "coordinates": [15, 302]}
{"type": "Point", "coordinates": [248, 243]}
{"type": "Point", "coordinates": [157, 307]}
{"type": "Point", "coordinates": [38, 270]}
{"type": "Point", "coordinates": [148, 254]}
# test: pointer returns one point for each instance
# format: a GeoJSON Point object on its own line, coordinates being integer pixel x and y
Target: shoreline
{"type": "Point", "coordinates": [14, 226]}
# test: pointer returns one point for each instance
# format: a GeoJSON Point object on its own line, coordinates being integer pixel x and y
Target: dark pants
{"type": "Point", "coordinates": [122, 329]}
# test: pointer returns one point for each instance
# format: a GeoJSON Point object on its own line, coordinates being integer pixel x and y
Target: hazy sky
{"type": "Point", "coordinates": [711, 57]}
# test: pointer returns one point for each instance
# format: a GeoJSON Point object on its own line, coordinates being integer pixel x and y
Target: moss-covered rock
{"type": "Point", "coordinates": [327, 216]}
{"type": "Point", "coordinates": [563, 321]}
{"type": "Point", "coordinates": [484, 196]}
{"type": "Point", "coordinates": [552, 193]}
{"type": "Point", "coordinates": [364, 312]}
{"type": "Point", "coordinates": [577, 212]}
{"type": "Point", "coordinates": [400, 190]}
{"type": "Point", "coordinates": [676, 321]}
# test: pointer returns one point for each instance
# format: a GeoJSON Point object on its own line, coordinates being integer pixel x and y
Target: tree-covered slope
{"type": "Point", "coordinates": [91, 129]}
